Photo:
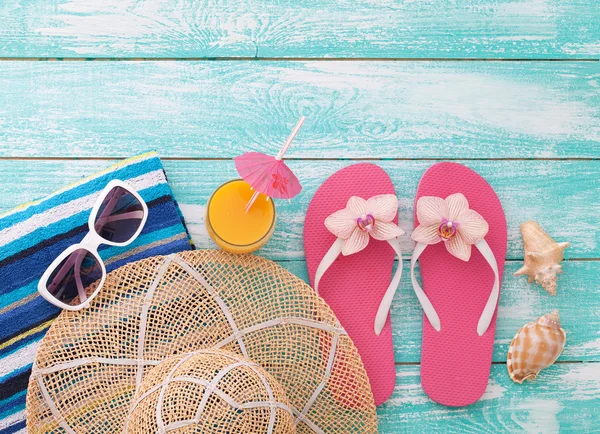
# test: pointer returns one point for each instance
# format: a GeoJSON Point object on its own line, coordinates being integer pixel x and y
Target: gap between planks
{"type": "Point", "coordinates": [119, 157]}
{"type": "Point", "coordinates": [557, 362]}
{"type": "Point", "coordinates": [290, 59]}
{"type": "Point", "coordinates": [506, 260]}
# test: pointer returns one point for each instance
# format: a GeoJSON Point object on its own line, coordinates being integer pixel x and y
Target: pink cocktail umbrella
{"type": "Point", "coordinates": [269, 175]}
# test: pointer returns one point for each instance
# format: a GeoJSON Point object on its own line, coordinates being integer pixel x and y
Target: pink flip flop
{"type": "Point", "coordinates": [456, 210]}
{"type": "Point", "coordinates": [351, 268]}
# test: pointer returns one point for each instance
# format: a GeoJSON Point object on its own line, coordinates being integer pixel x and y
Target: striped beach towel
{"type": "Point", "coordinates": [32, 235]}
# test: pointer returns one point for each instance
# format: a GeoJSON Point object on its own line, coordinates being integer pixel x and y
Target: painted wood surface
{"type": "Point", "coordinates": [364, 109]}
{"type": "Point", "coordinates": [311, 28]}
{"type": "Point", "coordinates": [532, 129]}
{"type": "Point", "coordinates": [565, 398]}
{"type": "Point", "coordinates": [194, 181]}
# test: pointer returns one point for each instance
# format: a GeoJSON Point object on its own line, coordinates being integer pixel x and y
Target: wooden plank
{"type": "Point", "coordinates": [314, 28]}
{"type": "Point", "coordinates": [363, 109]}
{"type": "Point", "coordinates": [564, 398]}
{"type": "Point", "coordinates": [561, 195]}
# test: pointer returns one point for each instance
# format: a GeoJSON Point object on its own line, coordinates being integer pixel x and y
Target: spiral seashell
{"type": "Point", "coordinates": [536, 346]}
{"type": "Point", "coordinates": [542, 256]}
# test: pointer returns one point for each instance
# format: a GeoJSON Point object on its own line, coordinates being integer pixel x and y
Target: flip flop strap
{"type": "Point", "coordinates": [386, 302]}
{"type": "Point", "coordinates": [490, 307]}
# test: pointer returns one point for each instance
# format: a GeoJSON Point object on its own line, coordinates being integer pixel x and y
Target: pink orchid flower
{"type": "Point", "coordinates": [363, 218]}
{"type": "Point", "coordinates": [449, 220]}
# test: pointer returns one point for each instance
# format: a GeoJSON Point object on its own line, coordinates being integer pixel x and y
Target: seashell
{"type": "Point", "coordinates": [536, 346]}
{"type": "Point", "coordinates": [542, 256]}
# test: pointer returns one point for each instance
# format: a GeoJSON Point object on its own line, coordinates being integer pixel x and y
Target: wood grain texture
{"type": "Point", "coordinates": [565, 398]}
{"type": "Point", "coordinates": [312, 28]}
{"type": "Point", "coordinates": [363, 109]}
{"type": "Point", "coordinates": [561, 195]}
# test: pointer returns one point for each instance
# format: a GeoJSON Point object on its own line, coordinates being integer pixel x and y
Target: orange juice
{"type": "Point", "coordinates": [233, 229]}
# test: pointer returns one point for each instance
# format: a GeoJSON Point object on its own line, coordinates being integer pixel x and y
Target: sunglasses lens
{"type": "Point", "coordinates": [119, 216]}
{"type": "Point", "coordinates": [75, 273]}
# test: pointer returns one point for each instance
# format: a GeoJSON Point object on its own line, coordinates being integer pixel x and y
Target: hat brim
{"type": "Point", "coordinates": [91, 363]}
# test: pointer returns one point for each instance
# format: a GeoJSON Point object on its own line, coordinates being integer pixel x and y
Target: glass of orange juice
{"type": "Point", "coordinates": [230, 226]}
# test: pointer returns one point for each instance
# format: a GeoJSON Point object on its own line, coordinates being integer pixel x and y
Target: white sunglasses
{"type": "Point", "coordinates": [117, 218]}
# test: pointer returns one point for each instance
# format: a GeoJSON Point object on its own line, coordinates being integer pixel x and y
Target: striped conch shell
{"type": "Point", "coordinates": [535, 347]}
{"type": "Point", "coordinates": [542, 256]}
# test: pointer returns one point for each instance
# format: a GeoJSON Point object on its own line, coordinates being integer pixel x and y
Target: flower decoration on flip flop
{"type": "Point", "coordinates": [363, 218]}
{"type": "Point", "coordinates": [450, 221]}
{"type": "Point", "coordinates": [353, 226]}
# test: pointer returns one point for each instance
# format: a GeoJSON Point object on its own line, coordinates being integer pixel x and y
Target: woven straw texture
{"type": "Point", "coordinates": [209, 392]}
{"type": "Point", "coordinates": [92, 362]}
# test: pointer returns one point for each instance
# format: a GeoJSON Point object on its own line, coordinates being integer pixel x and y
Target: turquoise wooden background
{"type": "Point", "coordinates": [510, 88]}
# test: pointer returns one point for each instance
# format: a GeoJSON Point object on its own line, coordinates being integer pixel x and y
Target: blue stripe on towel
{"type": "Point", "coordinates": [17, 294]}
{"type": "Point", "coordinates": [14, 400]}
{"type": "Point", "coordinates": [26, 316]}
{"type": "Point", "coordinates": [14, 373]}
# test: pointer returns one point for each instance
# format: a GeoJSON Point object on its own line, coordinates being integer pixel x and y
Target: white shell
{"type": "Point", "coordinates": [536, 346]}
{"type": "Point", "coordinates": [542, 256]}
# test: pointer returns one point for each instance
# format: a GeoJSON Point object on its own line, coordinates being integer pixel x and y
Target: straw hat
{"type": "Point", "coordinates": [107, 368]}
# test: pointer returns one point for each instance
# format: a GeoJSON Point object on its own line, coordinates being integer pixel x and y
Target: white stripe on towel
{"type": "Point", "coordinates": [18, 359]}
{"type": "Point", "coordinates": [12, 419]}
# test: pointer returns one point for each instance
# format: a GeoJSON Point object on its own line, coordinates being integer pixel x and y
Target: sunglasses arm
{"type": "Point", "coordinates": [75, 259]}
{"type": "Point", "coordinates": [80, 288]}
{"type": "Point", "coordinates": [110, 206]}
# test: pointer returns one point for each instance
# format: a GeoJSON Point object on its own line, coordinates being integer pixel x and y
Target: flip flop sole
{"type": "Point", "coordinates": [456, 361]}
{"type": "Point", "coordinates": [354, 285]}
